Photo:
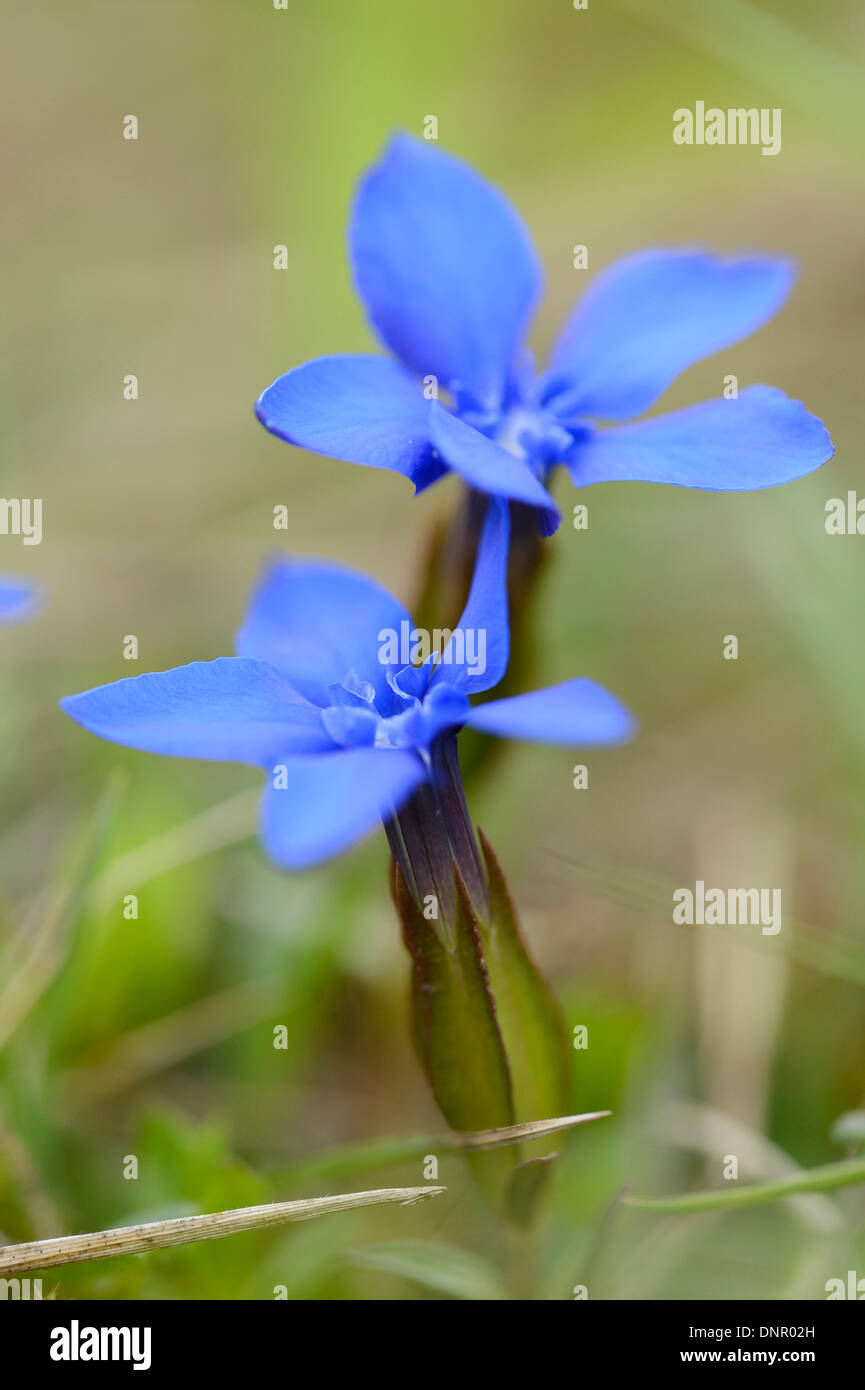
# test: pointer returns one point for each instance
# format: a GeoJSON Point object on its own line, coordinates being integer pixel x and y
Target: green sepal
{"type": "Point", "coordinates": [529, 1019]}
{"type": "Point", "coordinates": [455, 1027]}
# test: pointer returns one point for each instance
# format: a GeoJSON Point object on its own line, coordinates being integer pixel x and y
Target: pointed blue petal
{"type": "Point", "coordinates": [329, 802]}
{"type": "Point", "coordinates": [318, 624]}
{"type": "Point", "coordinates": [482, 633]}
{"type": "Point", "coordinates": [488, 467]}
{"type": "Point", "coordinates": [228, 710]}
{"type": "Point", "coordinates": [445, 268]}
{"type": "Point", "coordinates": [579, 711]}
{"type": "Point", "coordinates": [365, 409]}
{"type": "Point", "coordinates": [759, 440]}
{"type": "Point", "coordinates": [652, 315]}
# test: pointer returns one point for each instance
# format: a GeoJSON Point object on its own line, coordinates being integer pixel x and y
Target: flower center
{"type": "Point", "coordinates": [524, 426]}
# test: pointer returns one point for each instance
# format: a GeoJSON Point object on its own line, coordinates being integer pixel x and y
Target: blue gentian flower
{"type": "Point", "coordinates": [345, 735]}
{"type": "Point", "coordinates": [449, 280]}
{"type": "Point", "coordinates": [18, 599]}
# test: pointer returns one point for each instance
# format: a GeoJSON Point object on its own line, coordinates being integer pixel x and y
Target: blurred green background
{"type": "Point", "coordinates": [154, 1037]}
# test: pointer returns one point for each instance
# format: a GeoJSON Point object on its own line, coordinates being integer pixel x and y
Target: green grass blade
{"type": "Point", "coordinates": [443, 1268]}
{"type": "Point", "coordinates": [827, 1178]}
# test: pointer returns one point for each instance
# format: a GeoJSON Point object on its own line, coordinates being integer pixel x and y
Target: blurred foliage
{"type": "Point", "coordinates": [153, 1036]}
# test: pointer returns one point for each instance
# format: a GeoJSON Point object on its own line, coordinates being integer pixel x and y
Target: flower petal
{"type": "Point", "coordinates": [329, 802]}
{"type": "Point", "coordinates": [488, 467]}
{"type": "Point", "coordinates": [364, 409]}
{"type": "Point", "coordinates": [579, 711]}
{"type": "Point", "coordinates": [18, 599]}
{"type": "Point", "coordinates": [319, 623]}
{"type": "Point", "coordinates": [445, 268]}
{"type": "Point", "coordinates": [446, 706]}
{"type": "Point", "coordinates": [482, 636]}
{"type": "Point", "coordinates": [761, 439]}
{"type": "Point", "coordinates": [229, 710]}
{"type": "Point", "coordinates": [652, 315]}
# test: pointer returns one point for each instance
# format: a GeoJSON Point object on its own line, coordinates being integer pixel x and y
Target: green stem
{"type": "Point", "coordinates": [828, 1178]}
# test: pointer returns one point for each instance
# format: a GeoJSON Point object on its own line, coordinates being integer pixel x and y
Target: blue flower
{"type": "Point", "coordinates": [449, 280]}
{"type": "Point", "coordinates": [345, 734]}
{"type": "Point", "coordinates": [18, 599]}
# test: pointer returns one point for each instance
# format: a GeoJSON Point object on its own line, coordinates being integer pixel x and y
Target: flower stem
{"type": "Point", "coordinates": [450, 565]}
{"type": "Point", "coordinates": [432, 834]}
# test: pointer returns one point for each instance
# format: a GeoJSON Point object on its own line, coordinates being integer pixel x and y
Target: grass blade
{"type": "Point", "coordinates": [521, 1133]}
{"type": "Point", "coordinates": [828, 1178]}
{"type": "Point", "coordinates": [184, 1230]}
{"type": "Point", "coordinates": [445, 1269]}
{"type": "Point", "coordinates": [368, 1155]}
{"type": "Point", "coordinates": [49, 926]}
